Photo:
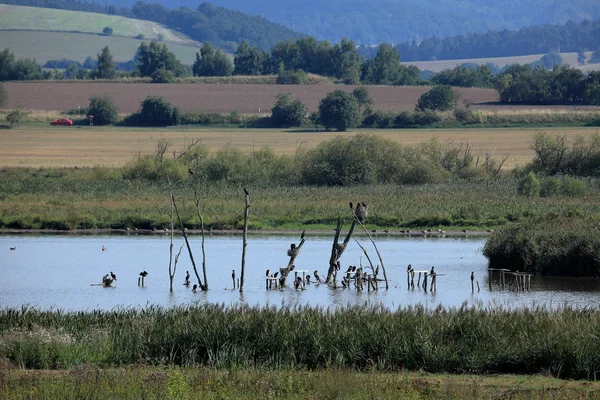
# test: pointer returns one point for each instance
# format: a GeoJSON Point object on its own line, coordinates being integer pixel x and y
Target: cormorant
{"type": "Point", "coordinates": [293, 246]}
{"type": "Point", "coordinates": [472, 276]}
{"type": "Point", "coordinates": [194, 288]}
{"type": "Point", "coordinates": [298, 282]}
{"type": "Point", "coordinates": [103, 248]}
{"type": "Point", "coordinates": [349, 269]}
{"type": "Point", "coordinates": [307, 278]}
{"type": "Point", "coordinates": [292, 267]}
{"type": "Point", "coordinates": [113, 275]}
{"type": "Point", "coordinates": [143, 274]}
{"type": "Point", "coordinates": [432, 271]}
{"type": "Point", "coordinates": [317, 277]}
{"type": "Point", "coordinates": [267, 273]}
{"type": "Point", "coordinates": [275, 274]}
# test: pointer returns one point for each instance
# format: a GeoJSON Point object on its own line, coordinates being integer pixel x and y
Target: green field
{"type": "Point", "coordinates": [44, 46]}
{"type": "Point", "coordinates": [46, 19]}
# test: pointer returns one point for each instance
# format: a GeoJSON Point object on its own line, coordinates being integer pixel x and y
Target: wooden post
{"type": "Point", "coordinates": [419, 280]}
{"type": "Point", "coordinates": [433, 282]}
{"type": "Point", "coordinates": [490, 275]}
{"type": "Point", "coordinates": [292, 252]}
{"type": "Point", "coordinates": [412, 279]}
{"type": "Point", "coordinates": [244, 238]}
{"type": "Point", "coordinates": [472, 279]}
{"type": "Point", "coordinates": [139, 281]}
{"type": "Point", "coordinates": [425, 281]}
{"type": "Point", "coordinates": [478, 288]}
{"type": "Point", "coordinates": [233, 277]}
{"type": "Point", "coordinates": [337, 249]}
{"type": "Point", "coordinates": [202, 236]}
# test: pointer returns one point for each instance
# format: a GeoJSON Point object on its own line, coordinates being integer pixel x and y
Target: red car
{"type": "Point", "coordinates": [62, 121]}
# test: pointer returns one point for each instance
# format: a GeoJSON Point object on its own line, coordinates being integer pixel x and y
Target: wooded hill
{"type": "Point", "coordinates": [395, 21]}
{"type": "Point", "coordinates": [205, 23]}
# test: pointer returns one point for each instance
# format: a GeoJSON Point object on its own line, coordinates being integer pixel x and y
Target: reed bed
{"type": "Point", "coordinates": [554, 246]}
{"type": "Point", "coordinates": [469, 339]}
{"type": "Point", "coordinates": [50, 199]}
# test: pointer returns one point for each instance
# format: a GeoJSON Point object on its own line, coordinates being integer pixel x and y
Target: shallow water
{"type": "Point", "coordinates": [56, 271]}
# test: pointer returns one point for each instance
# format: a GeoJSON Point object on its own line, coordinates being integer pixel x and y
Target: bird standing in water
{"type": "Point", "coordinates": [187, 278]}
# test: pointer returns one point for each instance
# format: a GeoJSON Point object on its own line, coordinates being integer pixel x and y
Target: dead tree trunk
{"type": "Point", "coordinates": [337, 250]}
{"type": "Point", "coordinates": [172, 270]}
{"type": "Point", "coordinates": [202, 234]}
{"type": "Point", "coordinates": [203, 286]}
{"type": "Point", "coordinates": [293, 252]}
{"type": "Point", "coordinates": [244, 239]}
{"type": "Point", "coordinates": [357, 219]}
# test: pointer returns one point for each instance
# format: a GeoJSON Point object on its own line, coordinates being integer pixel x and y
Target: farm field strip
{"type": "Point", "coordinates": [44, 46]}
{"type": "Point", "coordinates": [34, 146]}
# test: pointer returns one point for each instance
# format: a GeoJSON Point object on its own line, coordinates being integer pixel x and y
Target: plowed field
{"type": "Point", "coordinates": [221, 98]}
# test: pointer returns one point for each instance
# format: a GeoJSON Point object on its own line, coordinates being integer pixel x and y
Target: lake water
{"type": "Point", "coordinates": [56, 271]}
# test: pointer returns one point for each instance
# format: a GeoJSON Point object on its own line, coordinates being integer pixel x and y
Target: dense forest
{"type": "Point", "coordinates": [570, 37]}
{"type": "Point", "coordinates": [205, 23]}
{"type": "Point", "coordinates": [395, 21]}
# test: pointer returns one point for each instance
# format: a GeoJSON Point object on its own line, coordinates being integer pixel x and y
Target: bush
{"type": "Point", "coordinates": [140, 36]}
{"type": "Point", "coordinates": [15, 115]}
{"type": "Point", "coordinates": [163, 75]}
{"type": "Point", "coordinates": [286, 112]}
{"type": "Point", "coordinates": [3, 95]}
{"type": "Point", "coordinates": [292, 78]}
{"type": "Point", "coordinates": [156, 111]}
{"type": "Point", "coordinates": [529, 186]}
{"type": "Point", "coordinates": [103, 109]}
{"type": "Point", "coordinates": [573, 187]}
{"type": "Point", "coordinates": [439, 98]}
{"type": "Point", "coordinates": [550, 186]}
{"type": "Point", "coordinates": [107, 30]}
{"type": "Point", "coordinates": [339, 110]}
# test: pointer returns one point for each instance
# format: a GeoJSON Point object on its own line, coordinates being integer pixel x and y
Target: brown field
{"type": "Point", "coordinates": [113, 147]}
{"type": "Point", "coordinates": [225, 98]}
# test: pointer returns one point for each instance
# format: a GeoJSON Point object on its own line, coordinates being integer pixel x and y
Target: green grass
{"type": "Point", "coordinates": [143, 382]}
{"type": "Point", "coordinates": [44, 46]}
{"type": "Point", "coordinates": [90, 198]}
{"type": "Point", "coordinates": [46, 19]}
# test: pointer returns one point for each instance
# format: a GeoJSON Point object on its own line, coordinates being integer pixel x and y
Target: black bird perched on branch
{"type": "Point", "coordinates": [432, 271]}
{"type": "Point", "coordinates": [245, 191]}
{"type": "Point", "coordinates": [307, 278]}
{"type": "Point", "coordinates": [113, 275]}
{"type": "Point", "coordinates": [275, 274]}
{"type": "Point", "coordinates": [187, 278]}
{"type": "Point", "coordinates": [143, 274]}
{"type": "Point", "coordinates": [267, 273]}
{"type": "Point", "coordinates": [194, 288]}
{"type": "Point", "coordinates": [298, 282]}
{"type": "Point", "coordinates": [317, 277]}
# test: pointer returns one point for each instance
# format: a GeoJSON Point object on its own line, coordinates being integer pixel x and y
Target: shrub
{"type": "Point", "coordinates": [163, 75]}
{"type": "Point", "coordinates": [292, 78]}
{"type": "Point", "coordinates": [107, 30]}
{"type": "Point", "coordinates": [140, 36]}
{"type": "Point", "coordinates": [286, 112]}
{"type": "Point", "coordinates": [156, 111]}
{"type": "Point", "coordinates": [103, 109]}
{"type": "Point", "coordinates": [339, 110]}
{"type": "Point", "coordinates": [573, 187]}
{"type": "Point", "coordinates": [529, 186]}
{"type": "Point", "coordinates": [15, 115]}
{"type": "Point", "coordinates": [550, 186]}
{"type": "Point", "coordinates": [439, 98]}
{"type": "Point", "coordinates": [3, 95]}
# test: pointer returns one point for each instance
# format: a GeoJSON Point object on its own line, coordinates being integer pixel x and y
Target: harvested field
{"type": "Point", "coordinates": [225, 98]}
{"type": "Point", "coordinates": [210, 97]}
{"type": "Point", "coordinates": [113, 147]}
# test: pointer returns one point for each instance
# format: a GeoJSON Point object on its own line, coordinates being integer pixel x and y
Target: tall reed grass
{"type": "Point", "coordinates": [468, 339]}
{"type": "Point", "coordinates": [47, 198]}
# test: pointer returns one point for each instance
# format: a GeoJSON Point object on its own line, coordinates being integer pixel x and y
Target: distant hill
{"type": "Point", "coordinates": [395, 21]}
{"type": "Point", "coordinates": [44, 19]}
{"type": "Point", "coordinates": [220, 26]}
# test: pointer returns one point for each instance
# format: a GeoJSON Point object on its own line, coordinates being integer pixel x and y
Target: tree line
{"type": "Point", "coordinates": [570, 37]}
{"type": "Point", "coordinates": [519, 84]}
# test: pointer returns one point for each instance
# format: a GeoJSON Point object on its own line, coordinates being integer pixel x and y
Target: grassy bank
{"type": "Point", "coordinates": [45, 199]}
{"type": "Point", "coordinates": [555, 246]}
{"type": "Point", "coordinates": [139, 382]}
{"type": "Point", "coordinates": [477, 340]}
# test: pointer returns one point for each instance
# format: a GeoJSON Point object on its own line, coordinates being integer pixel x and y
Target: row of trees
{"type": "Point", "coordinates": [571, 37]}
{"type": "Point", "coordinates": [523, 84]}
